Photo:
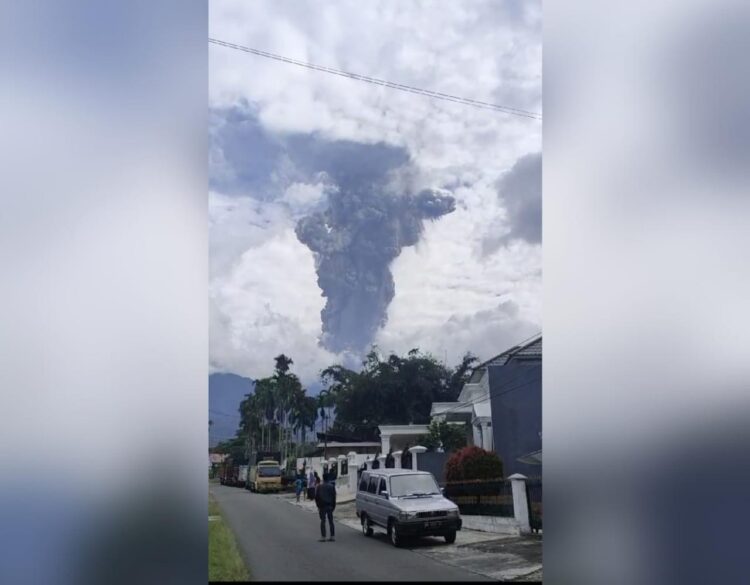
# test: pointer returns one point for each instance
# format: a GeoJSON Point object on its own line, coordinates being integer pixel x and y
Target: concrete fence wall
{"type": "Point", "coordinates": [496, 524]}
{"type": "Point", "coordinates": [433, 462]}
{"type": "Point", "coordinates": [346, 487]}
{"type": "Point", "coordinates": [513, 519]}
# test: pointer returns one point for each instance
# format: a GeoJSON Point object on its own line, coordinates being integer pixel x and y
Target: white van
{"type": "Point", "coordinates": [405, 503]}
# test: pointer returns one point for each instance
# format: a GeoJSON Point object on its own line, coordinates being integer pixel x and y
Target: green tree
{"type": "Point", "coordinates": [443, 434]}
{"type": "Point", "coordinates": [460, 375]}
{"type": "Point", "coordinates": [288, 389]}
{"type": "Point", "coordinates": [302, 416]}
{"type": "Point", "coordinates": [277, 409]}
{"type": "Point", "coordinates": [234, 447]}
{"type": "Point", "coordinates": [391, 390]}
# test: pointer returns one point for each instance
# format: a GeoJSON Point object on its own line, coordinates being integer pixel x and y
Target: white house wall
{"type": "Point", "coordinates": [316, 463]}
{"type": "Point", "coordinates": [477, 435]}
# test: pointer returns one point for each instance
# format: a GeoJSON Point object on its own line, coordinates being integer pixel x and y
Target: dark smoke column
{"type": "Point", "coordinates": [354, 242]}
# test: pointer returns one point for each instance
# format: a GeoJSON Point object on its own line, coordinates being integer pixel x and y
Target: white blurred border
{"type": "Point", "coordinates": [646, 286]}
{"type": "Point", "coordinates": [103, 251]}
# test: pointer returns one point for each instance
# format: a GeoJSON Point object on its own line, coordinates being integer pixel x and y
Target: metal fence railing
{"type": "Point", "coordinates": [534, 497]}
{"type": "Point", "coordinates": [482, 497]}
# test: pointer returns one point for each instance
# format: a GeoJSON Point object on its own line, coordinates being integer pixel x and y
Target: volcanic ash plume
{"type": "Point", "coordinates": [354, 242]}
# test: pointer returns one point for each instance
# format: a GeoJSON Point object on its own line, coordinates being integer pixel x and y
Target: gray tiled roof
{"type": "Point", "coordinates": [531, 349]}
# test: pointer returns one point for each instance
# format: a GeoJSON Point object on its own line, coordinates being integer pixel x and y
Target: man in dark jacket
{"type": "Point", "coordinates": [325, 499]}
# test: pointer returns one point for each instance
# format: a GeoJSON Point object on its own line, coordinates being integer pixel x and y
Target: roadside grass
{"type": "Point", "coordinates": [224, 560]}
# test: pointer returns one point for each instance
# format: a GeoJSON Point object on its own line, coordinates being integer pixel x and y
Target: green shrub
{"type": "Point", "coordinates": [473, 463]}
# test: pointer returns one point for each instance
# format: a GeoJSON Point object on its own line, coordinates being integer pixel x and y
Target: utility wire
{"type": "Point", "coordinates": [483, 398]}
{"type": "Point", "coordinates": [382, 82]}
{"type": "Point", "coordinates": [490, 395]}
{"type": "Point", "coordinates": [487, 395]}
{"type": "Point", "coordinates": [516, 346]}
{"type": "Point", "coordinates": [224, 413]}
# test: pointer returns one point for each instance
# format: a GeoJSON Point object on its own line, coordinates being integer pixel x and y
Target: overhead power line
{"type": "Point", "coordinates": [382, 82]}
{"type": "Point", "coordinates": [224, 413]}
{"type": "Point", "coordinates": [490, 395]}
{"type": "Point", "coordinates": [506, 389]}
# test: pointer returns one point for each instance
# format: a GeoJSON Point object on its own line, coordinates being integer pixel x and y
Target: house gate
{"type": "Point", "coordinates": [534, 498]}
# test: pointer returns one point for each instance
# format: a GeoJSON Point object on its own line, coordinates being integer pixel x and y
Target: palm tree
{"type": "Point", "coordinates": [266, 405]}
{"type": "Point", "coordinates": [297, 414]}
{"type": "Point", "coordinates": [285, 385]}
{"type": "Point", "coordinates": [251, 421]}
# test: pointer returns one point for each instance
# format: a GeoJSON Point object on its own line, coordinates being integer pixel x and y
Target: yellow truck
{"type": "Point", "coordinates": [265, 476]}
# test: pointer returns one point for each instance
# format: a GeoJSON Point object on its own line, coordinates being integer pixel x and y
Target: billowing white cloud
{"type": "Point", "coordinates": [237, 224]}
{"type": "Point", "coordinates": [304, 198]}
{"type": "Point", "coordinates": [450, 296]}
{"type": "Point", "coordinates": [268, 304]}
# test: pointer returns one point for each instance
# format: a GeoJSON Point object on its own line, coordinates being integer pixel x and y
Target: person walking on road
{"type": "Point", "coordinates": [311, 486]}
{"type": "Point", "coordinates": [325, 499]}
{"type": "Point", "coordinates": [298, 485]}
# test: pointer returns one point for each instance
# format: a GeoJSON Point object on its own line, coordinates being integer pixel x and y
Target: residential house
{"type": "Point", "coordinates": [474, 407]}
{"type": "Point", "coordinates": [515, 384]}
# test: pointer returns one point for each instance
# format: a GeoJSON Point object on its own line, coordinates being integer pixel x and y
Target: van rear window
{"type": "Point", "coordinates": [372, 487]}
{"type": "Point", "coordinates": [363, 483]}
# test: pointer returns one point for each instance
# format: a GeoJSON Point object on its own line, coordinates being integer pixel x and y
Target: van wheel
{"type": "Point", "coordinates": [450, 538]}
{"type": "Point", "coordinates": [396, 539]}
{"type": "Point", "coordinates": [366, 526]}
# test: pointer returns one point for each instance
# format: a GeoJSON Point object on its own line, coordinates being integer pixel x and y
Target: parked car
{"type": "Point", "coordinates": [407, 504]}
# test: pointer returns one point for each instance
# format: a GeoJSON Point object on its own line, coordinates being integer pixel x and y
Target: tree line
{"type": "Point", "coordinates": [386, 390]}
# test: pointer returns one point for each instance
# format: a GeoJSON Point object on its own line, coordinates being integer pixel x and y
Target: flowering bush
{"type": "Point", "coordinates": [473, 463]}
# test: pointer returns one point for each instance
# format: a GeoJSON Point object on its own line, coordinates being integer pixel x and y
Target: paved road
{"type": "Point", "coordinates": [280, 542]}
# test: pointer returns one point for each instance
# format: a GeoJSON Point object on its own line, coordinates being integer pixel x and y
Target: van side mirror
{"type": "Point", "coordinates": [442, 491]}
{"type": "Point", "coordinates": [384, 494]}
